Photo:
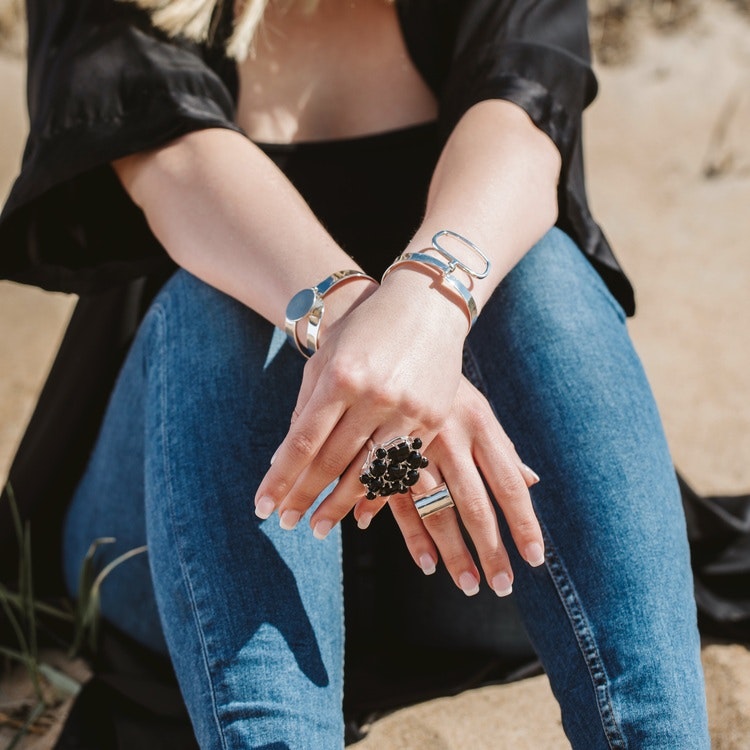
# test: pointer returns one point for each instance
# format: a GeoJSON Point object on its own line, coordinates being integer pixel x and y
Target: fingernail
{"type": "Point", "coordinates": [364, 520]}
{"type": "Point", "coordinates": [322, 529]}
{"type": "Point", "coordinates": [534, 554]}
{"type": "Point", "coordinates": [264, 507]}
{"type": "Point", "coordinates": [468, 584]}
{"type": "Point", "coordinates": [289, 519]}
{"type": "Point", "coordinates": [531, 476]}
{"type": "Point", "coordinates": [273, 458]}
{"type": "Point", "coordinates": [501, 584]}
{"type": "Point", "coordinates": [427, 564]}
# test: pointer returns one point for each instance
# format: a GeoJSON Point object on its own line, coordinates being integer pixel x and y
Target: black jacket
{"type": "Point", "coordinates": [103, 83]}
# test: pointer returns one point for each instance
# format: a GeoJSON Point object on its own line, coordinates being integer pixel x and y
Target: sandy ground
{"type": "Point", "coordinates": [669, 177]}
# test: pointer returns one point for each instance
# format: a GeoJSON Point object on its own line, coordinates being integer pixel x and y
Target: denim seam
{"type": "Point", "coordinates": [586, 643]}
{"type": "Point", "coordinates": [160, 315]}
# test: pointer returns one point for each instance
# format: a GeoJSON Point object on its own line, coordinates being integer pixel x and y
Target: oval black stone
{"type": "Point", "coordinates": [416, 443]}
{"type": "Point", "coordinates": [402, 450]}
{"type": "Point", "coordinates": [364, 478]}
{"type": "Point", "coordinates": [425, 462]}
{"type": "Point", "coordinates": [381, 453]}
{"type": "Point", "coordinates": [397, 471]}
{"type": "Point", "coordinates": [411, 478]}
{"type": "Point", "coordinates": [378, 468]}
{"type": "Point", "coordinates": [414, 459]}
{"type": "Point", "coordinates": [401, 489]}
{"type": "Point", "coordinates": [371, 495]}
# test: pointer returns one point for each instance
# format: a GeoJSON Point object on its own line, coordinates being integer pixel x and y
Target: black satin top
{"type": "Point", "coordinates": [369, 192]}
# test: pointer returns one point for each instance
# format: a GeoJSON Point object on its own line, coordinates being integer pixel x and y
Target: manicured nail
{"type": "Point", "coordinates": [468, 584]}
{"type": "Point", "coordinates": [273, 458]}
{"type": "Point", "coordinates": [289, 519]}
{"type": "Point", "coordinates": [530, 475]}
{"type": "Point", "coordinates": [364, 520]}
{"type": "Point", "coordinates": [534, 554]}
{"type": "Point", "coordinates": [264, 507]}
{"type": "Point", "coordinates": [322, 529]}
{"type": "Point", "coordinates": [501, 584]}
{"type": "Point", "coordinates": [427, 564]}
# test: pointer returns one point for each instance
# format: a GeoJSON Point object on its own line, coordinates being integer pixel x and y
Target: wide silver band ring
{"type": "Point", "coordinates": [435, 500]}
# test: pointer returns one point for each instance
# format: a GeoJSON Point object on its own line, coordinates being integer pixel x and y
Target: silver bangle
{"type": "Point", "coordinates": [307, 304]}
{"type": "Point", "coordinates": [447, 269]}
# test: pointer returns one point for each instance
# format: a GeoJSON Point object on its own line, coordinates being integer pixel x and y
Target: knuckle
{"type": "Point", "coordinates": [475, 511]}
{"type": "Point", "coordinates": [438, 522]}
{"type": "Point", "coordinates": [345, 378]}
{"type": "Point", "coordinates": [329, 464]}
{"type": "Point", "coordinates": [433, 417]}
{"type": "Point", "coordinates": [512, 486]}
{"type": "Point", "coordinates": [526, 527]}
{"type": "Point", "coordinates": [457, 560]}
{"type": "Point", "coordinates": [482, 418]}
{"type": "Point", "coordinates": [302, 445]}
{"type": "Point", "coordinates": [413, 537]}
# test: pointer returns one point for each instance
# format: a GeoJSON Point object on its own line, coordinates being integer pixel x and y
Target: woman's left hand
{"type": "Point", "coordinates": [470, 446]}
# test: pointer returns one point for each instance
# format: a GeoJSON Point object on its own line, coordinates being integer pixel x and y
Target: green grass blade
{"type": "Point", "coordinates": [14, 511]}
{"type": "Point", "coordinates": [29, 612]}
{"type": "Point", "coordinates": [38, 710]}
{"type": "Point", "coordinates": [41, 607]}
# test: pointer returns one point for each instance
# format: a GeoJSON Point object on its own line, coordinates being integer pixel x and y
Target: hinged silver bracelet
{"type": "Point", "coordinates": [447, 269]}
{"type": "Point", "coordinates": [307, 304]}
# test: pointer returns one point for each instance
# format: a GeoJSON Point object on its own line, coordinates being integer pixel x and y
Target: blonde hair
{"type": "Point", "coordinates": [194, 20]}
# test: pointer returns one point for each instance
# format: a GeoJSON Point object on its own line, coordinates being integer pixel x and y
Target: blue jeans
{"type": "Point", "coordinates": [252, 616]}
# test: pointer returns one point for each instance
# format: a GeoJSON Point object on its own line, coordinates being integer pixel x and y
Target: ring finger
{"type": "Point", "coordinates": [439, 529]}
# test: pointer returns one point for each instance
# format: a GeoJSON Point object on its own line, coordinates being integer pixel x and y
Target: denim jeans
{"type": "Point", "coordinates": [252, 616]}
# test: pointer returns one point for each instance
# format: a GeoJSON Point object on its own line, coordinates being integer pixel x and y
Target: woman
{"type": "Point", "coordinates": [369, 108]}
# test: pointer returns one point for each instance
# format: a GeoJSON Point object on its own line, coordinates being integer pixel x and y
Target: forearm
{"type": "Point", "coordinates": [227, 214]}
{"type": "Point", "coordinates": [496, 184]}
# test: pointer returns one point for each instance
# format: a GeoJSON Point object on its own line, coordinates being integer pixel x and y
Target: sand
{"type": "Point", "coordinates": [669, 178]}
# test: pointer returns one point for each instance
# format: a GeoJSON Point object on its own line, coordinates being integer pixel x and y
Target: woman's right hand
{"type": "Point", "coordinates": [389, 369]}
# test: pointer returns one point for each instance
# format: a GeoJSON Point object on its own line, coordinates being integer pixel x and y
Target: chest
{"type": "Point", "coordinates": [342, 70]}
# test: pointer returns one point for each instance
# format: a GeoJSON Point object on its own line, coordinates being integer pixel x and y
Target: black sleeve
{"type": "Point", "coordinates": [102, 83]}
{"type": "Point", "coordinates": [534, 53]}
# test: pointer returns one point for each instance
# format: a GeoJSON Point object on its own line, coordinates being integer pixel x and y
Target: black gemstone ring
{"type": "Point", "coordinates": [392, 467]}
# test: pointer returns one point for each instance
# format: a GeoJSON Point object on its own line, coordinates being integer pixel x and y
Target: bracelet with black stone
{"type": "Point", "coordinates": [392, 467]}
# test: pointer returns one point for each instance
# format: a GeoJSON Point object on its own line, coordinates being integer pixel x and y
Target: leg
{"type": "Point", "coordinates": [251, 615]}
{"type": "Point", "coordinates": [612, 612]}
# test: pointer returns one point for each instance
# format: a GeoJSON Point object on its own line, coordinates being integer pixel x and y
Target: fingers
{"type": "Point", "coordinates": [292, 493]}
{"type": "Point", "coordinates": [439, 532]}
{"type": "Point", "coordinates": [477, 514]}
{"type": "Point", "coordinates": [350, 489]}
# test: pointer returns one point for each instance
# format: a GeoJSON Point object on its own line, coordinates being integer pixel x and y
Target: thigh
{"type": "Point", "coordinates": [612, 612]}
{"type": "Point", "coordinates": [251, 615]}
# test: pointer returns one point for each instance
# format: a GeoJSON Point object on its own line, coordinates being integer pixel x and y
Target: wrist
{"type": "Point", "coordinates": [455, 274]}
{"type": "Point", "coordinates": [342, 299]}
{"type": "Point", "coordinates": [421, 293]}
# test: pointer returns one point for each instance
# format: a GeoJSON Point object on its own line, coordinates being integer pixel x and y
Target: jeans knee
{"type": "Point", "coordinates": [551, 293]}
